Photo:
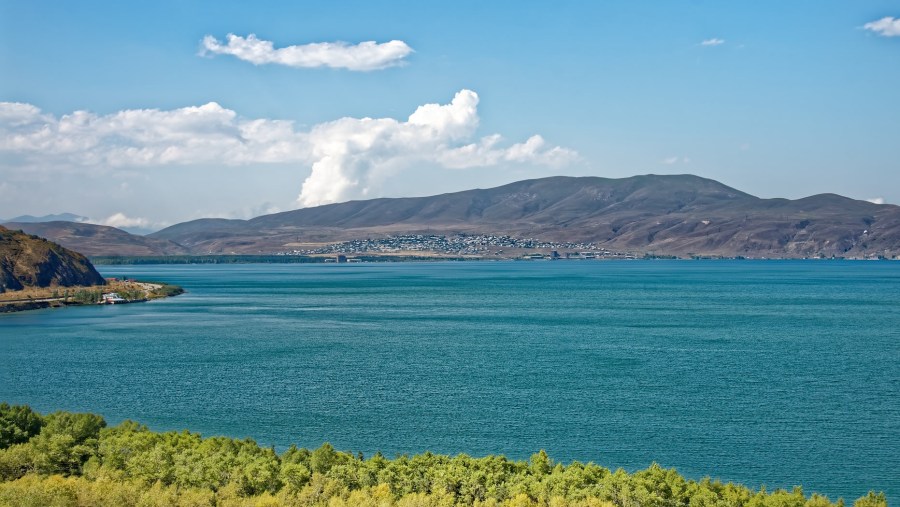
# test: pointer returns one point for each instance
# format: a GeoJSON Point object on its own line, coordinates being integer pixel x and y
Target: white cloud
{"type": "Point", "coordinates": [876, 200]}
{"type": "Point", "coordinates": [349, 158]}
{"type": "Point", "coordinates": [121, 220]}
{"type": "Point", "coordinates": [713, 42]}
{"type": "Point", "coordinates": [674, 160]}
{"type": "Point", "coordinates": [144, 137]}
{"type": "Point", "coordinates": [886, 27]}
{"type": "Point", "coordinates": [353, 157]}
{"type": "Point", "coordinates": [364, 56]}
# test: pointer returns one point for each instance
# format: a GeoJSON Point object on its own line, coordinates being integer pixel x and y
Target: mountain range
{"type": "Point", "coordinates": [60, 217]}
{"type": "Point", "coordinates": [70, 217]}
{"type": "Point", "coordinates": [681, 215]}
{"type": "Point", "coordinates": [94, 240]}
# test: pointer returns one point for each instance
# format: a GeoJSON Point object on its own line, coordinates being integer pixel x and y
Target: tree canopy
{"type": "Point", "coordinates": [70, 459]}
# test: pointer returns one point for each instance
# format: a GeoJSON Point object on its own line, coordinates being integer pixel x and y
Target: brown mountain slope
{"type": "Point", "coordinates": [29, 261]}
{"type": "Point", "coordinates": [673, 215]}
{"type": "Point", "coordinates": [91, 239]}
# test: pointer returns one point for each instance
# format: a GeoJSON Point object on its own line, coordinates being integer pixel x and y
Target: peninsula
{"type": "Point", "coordinates": [37, 273]}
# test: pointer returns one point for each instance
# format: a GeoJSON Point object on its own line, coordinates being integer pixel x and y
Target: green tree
{"type": "Point", "coordinates": [66, 442]}
{"type": "Point", "coordinates": [871, 500]}
{"type": "Point", "coordinates": [18, 423]}
{"type": "Point", "coordinates": [131, 465]}
{"type": "Point", "coordinates": [16, 461]}
{"type": "Point", "coordinates": [323, 458]}
{"type": "Point", "coordinates": [540, 463]}
{"type": "Point", "coordinates": [295, 475]}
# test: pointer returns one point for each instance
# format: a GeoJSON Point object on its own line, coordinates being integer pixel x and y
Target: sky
{"type": "Point", "coordinates": [146, 114]}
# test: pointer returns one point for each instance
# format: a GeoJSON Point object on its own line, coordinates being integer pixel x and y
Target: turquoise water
{"type": "Point", "coordinates": [777, 373]}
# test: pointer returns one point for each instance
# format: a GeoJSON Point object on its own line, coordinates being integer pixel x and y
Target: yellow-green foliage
{"type": "Point", "coordinates": [75, 460]}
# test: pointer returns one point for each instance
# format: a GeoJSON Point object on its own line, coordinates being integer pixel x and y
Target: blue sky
{"type": "Point", "coordinates": [786, 99]}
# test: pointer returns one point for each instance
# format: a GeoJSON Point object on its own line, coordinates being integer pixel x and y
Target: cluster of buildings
{"type": "Point", "coordinates": [468, 245]}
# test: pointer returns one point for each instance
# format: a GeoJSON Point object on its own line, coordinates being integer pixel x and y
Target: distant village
{"type": "Point", "coordinates": [462, 245]}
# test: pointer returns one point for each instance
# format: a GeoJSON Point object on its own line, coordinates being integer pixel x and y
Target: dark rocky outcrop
{"type": "Point", "coordinates": [30, 261]}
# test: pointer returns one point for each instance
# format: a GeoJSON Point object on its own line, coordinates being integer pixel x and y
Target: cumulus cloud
{"type": "Point", "coordinates": [144, 137]}
{"type": "Point", "coordinates": [713, 42]}
{"type": "Point", "coordinates": [887, 26]}
{"type": "Point", "coordinates": [121, 220]}
{"type": "Point", "coordinates": [347, 158]}
{"type": "Point", "coordinates": [365, 56]}
{"type": "Point", "coordinates": [876, 200]}
{"type": "Point", "coordinates": [354, 156]}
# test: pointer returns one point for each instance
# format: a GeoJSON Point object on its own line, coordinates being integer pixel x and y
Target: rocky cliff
{"type": "Point", "coordinates": [30, 261]}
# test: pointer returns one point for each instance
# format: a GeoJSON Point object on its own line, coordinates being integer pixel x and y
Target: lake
{"type": "Point", "coordinates": [761, 372]}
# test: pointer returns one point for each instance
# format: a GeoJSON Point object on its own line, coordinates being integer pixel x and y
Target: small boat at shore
{"type": "Point", "coordinates": [112, 298]}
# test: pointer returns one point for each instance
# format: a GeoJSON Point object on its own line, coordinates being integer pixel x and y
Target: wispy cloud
{"type": "Point", "coordinates": [713, 42]}
{"type": "Point", "coordinates": [344, 159]}
{"type": "Point", "coordinates": [364, 56]}
{"type": "Point", "coordinates": [876, 200]}
{"type": "Point", "coordinates": [674, 160]}
{"type": "Point", "coordinates": [121, 220]}
{"type": "Point", "coordinates": [887, 26]}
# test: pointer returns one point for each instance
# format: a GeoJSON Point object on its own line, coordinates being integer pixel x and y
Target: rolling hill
{"type": "Point", "coordinates": [71, 217]}
{"type": "Point", "coordinates": [59, 217]}
{"type": "Point", "coordinates": [92, 240]}
{"type": "Point", "coordinates": [680, 215]}
{"type": "Point", "coordinates": [673, 215]}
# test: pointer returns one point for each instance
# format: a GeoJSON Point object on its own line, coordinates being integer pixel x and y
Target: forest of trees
{"type": "Point", "coordinates": [68, 459]}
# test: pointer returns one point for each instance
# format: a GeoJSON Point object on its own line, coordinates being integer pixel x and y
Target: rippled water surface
{"type": "Point", "coordinates": [775, 373]}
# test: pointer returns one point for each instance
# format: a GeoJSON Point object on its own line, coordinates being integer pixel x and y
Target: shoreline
{"type": "Point", "coordinates": [134, 291]}
{"type": "Point", "coordinates": [382, 258]}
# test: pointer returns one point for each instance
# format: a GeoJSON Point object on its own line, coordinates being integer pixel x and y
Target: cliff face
{"type": "Point", "coordinates": [30, 261]}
